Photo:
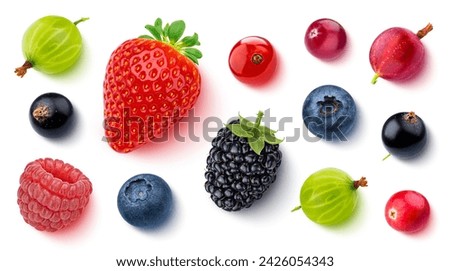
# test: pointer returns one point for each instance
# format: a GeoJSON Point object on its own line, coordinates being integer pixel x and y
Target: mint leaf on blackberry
{"type": "Point", "coordinates": [242, 163]}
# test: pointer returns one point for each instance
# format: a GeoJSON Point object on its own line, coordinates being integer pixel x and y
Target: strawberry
{"type": "Point", "coordinates": [151, 82]}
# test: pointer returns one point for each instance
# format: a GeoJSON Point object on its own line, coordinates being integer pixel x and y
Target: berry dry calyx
{"type": "Point", "coordinates": [242, 163]}
{"type": "Point", "coordinates": [151, 82]}
{"type": "Point", "coordinates": [52, 45]}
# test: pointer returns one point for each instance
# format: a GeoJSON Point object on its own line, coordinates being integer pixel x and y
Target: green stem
{"type": "Point", "coordinates": [387, 156]}
{"type": "Point", "coordinates": [296, 208]}
{"type": "Point", "coordinates": [375, 77]}
{"type": "Point", "coordinates": [80, 20]}
{"type": "Point", "coordinates": [258, 119]}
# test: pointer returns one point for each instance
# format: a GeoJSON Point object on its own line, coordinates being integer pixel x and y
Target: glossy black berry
{"type": "Point", "coordinates": [404, 135]}
{"type": "Point", "coordinates": [51, 115]}
{"type": "Point", "coordinates": [237, 176]}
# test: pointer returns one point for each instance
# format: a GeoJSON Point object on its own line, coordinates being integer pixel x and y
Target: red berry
{"type": "Point", "coordinates": [150, 83]}
{"type": "Point", "coordinates": [398, 53]}
{"type": "Point", "coordinates": [52, 194]}
{"type": "Point", "coordinates": [407, 211]}
{"type": "Point", "coordinates": [253, 60]}
{"type": "Point", "coordinates": [325, 39]}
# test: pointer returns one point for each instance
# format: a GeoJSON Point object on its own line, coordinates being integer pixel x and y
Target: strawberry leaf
{"type": "Point", "coordinates": [175, 31]}
{"type": "Point", "coordinates": [146, 37]}
{"type": "Point", "coordinates": [156, 34]}
{"type": "Point", "coordinates": [190, 41]}
{"type": "Point", "coordinates": [193, 54]}
{"type": "Point", "coordinates": [166, 32]}
{"type": "Point", "coordinates": [171, 34]}
{"type": "Point", "coordinates": [158, 24]}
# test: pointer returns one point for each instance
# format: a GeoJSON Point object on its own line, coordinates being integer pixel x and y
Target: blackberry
{"type": "Point", "coordinates": [240, 165]}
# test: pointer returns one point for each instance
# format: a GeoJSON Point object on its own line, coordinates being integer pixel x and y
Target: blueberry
{"type": "Point", "coordinates": [145, 201]}
{"type": "Point", "coordinates": [404, 135]}
{"type": "Point", "coordinates": [51, 115]}
{"type": "Point", "coordinates": [329, 112]}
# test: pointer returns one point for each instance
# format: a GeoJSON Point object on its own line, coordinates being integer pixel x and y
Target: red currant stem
{"type": "Point", "coordinates": [424, 31]}
{"type": "Point", "coordinates": [360, 183]}
{"type": "Point", "coordinates": [80, 20]}
{"type": "Point", "coordinates": [296, 208]}
{"type": "Point", "coordinates": [21, 71]}
{"type": "Point", "coordinates": [374, 79]}
{"type": "Point", "coordinates": [387, 156]}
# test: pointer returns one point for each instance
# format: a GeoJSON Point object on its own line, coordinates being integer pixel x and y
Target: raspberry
{"type": "Point", "coordinates": [52, 194]}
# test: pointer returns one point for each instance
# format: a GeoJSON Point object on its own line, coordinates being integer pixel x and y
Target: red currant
{"type": "Point", "coordinates": [253, 60]}
{"type": "Point", "coordinates": [407, 211]}
{"type": "Point", "coordinates": [325, 39]}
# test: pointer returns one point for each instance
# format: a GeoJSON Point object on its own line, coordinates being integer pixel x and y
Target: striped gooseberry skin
{"type": "Point", "coordinates": [328, 196]}
{"type": "Point", "coordinates": [52, 44]}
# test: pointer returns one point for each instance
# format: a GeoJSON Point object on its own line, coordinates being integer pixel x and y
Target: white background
{"type": "Point", "coordinates": [198, 228]}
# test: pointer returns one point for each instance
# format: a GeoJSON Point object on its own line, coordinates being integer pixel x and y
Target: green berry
{"type": "Point", "coordinates": [52, 45]}
{"type": "Point", "coordinates": [329, 196]}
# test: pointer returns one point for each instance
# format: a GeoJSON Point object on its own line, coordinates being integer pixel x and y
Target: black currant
{"type": "Point", "coordinates": [51, 115]}
{"type": "Point", "coordinates": [404, 135]}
